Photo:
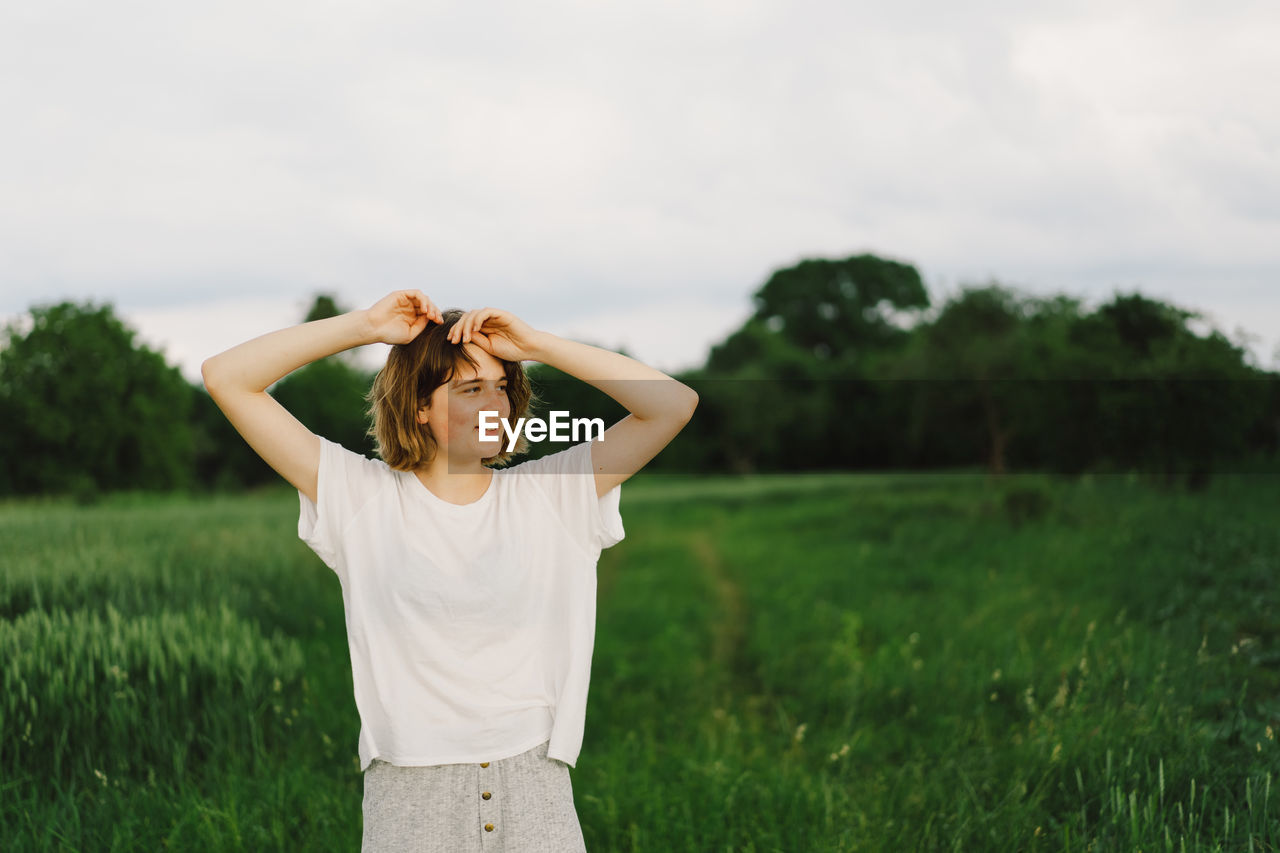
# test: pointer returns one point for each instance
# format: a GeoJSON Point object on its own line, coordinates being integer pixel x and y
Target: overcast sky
{"type": "Point", "coordinates": [629, 173]}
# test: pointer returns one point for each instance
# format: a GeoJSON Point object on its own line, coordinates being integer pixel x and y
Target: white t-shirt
{"type": "Point", "coordinates": [470, 626]}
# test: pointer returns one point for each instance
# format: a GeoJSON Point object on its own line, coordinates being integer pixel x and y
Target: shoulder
{"type": "Point", "coordinates": [344, 467]}
{"type": "Point", "coordinates": [565, 482]}
{"type": "Point", "coordinates": [347, 483]}
{"type": "Point", "coordinates": [345, 456]}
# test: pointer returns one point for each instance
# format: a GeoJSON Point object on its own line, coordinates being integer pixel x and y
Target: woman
{"type": "Point", "coordinates": [469, 591]}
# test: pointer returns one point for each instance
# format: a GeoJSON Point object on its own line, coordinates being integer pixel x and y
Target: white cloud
{"type": "Point", "coordinates": [622, 161]}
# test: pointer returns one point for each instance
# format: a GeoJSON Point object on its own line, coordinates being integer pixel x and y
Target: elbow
{"type": "Point", "coordinates": [211, 376]}
{"type": "Point", "coordinates": [689, 402]}
{"type": "Point", "coordinates": [674, 405]}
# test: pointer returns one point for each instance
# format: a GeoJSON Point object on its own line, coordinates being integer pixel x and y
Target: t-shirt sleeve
{"type": "Point", "coordinates": [567, 478]}
{"type": "Point", "coordinates": [345, 482]}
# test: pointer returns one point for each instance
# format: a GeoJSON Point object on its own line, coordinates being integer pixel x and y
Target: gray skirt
{"type": "Point", "coordinates": [523, 803]}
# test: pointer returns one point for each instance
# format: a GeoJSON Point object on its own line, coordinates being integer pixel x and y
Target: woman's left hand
{"type": "Point", "coordinates": [499, 333]}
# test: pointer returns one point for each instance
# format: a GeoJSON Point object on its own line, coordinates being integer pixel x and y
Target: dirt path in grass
{"type": "Point", "coordinates": [729, 630]}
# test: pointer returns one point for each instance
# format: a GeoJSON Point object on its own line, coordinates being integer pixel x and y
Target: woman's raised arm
{"type": "Point", "coordinates": [237, 379]}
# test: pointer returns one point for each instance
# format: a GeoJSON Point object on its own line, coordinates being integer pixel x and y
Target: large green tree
{"type": "Point", "coordinates": [835, 309]}
{"type": "Point", "coordinates": [772, 410]}
{"type": "Point", "coordinates": [785, 390]}
{"type": "Point", "coordinates": [973, 369]}
{"type": "Point", "coordinates": [87, 407]}
{"type": "Point", "coordinates": [1172, 402]}
{"type": "Point", "coordinates": [1045, 383]}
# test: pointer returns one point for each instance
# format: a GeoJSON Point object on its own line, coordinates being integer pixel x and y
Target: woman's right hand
{"type": "Point", "coordinates": [399, 317]}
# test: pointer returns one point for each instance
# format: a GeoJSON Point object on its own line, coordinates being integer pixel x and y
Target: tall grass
{"type": "Point", "coordinates": [783, 663]}
{"type": "Point", "coordinates": [175, 675]}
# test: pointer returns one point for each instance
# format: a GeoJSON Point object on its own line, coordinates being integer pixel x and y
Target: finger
{"type": "Point", "coordinates": [455, 334]}
{"type": "Point", "coordinates": [433, 312]}
{"type": "Point", "coordinates": [487, 318]}
{"type": "Point", "coordinates": [421, 305]}
{"type": "Point", "coordinates": [474, 320]}
{"type": "Point", "coordinates": [483, 316]}
{"type": "Point", "coordinates": [427, 307]}
{"type": "Point", "coordinates": [409, 299]}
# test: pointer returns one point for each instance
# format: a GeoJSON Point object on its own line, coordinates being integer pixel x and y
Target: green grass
{"type": "Point", "coordinates": [829, 662]}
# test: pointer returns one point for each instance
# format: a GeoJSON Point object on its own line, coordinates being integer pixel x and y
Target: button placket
{"type": "Point", "coordinates": [486, 795]}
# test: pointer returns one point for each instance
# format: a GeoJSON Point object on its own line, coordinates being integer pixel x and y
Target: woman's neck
{"type": "Point", "coordinates": [455, 482]}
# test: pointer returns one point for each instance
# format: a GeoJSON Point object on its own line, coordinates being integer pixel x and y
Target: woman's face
{"type": "Point", "coordinates": [454, 413]}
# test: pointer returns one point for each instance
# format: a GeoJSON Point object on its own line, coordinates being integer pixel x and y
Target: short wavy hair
{"type": "Point", "coordinates": [406, 382]}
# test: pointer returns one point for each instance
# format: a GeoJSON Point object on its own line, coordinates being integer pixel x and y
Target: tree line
{"type": "Point", "coordinates": [844, 364]}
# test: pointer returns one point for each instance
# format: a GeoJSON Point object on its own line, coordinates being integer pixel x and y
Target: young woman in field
{"type": "Point", "coordinates": [469, 590]}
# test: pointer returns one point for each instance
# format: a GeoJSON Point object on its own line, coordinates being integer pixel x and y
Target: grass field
{"type": "Point", "coordinates": [837, 662]}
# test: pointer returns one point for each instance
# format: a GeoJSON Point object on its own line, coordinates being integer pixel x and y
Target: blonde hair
{"type": "Point", "coordinates": [406, 382]}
